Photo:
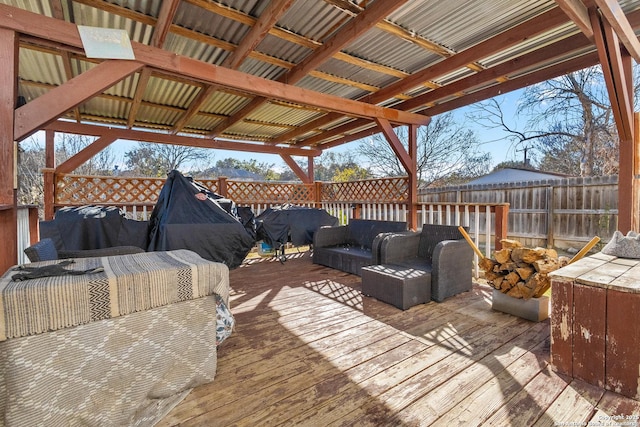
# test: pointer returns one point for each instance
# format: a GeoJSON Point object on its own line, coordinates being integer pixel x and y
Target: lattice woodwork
{"type": "Point", "coordinates": [248, 192]}
{"type": "Point", "coordinates": [77, 190]}
{"type": "Point", "coordinates": [383, 190]}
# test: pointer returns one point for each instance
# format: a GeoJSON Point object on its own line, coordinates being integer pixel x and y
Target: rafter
{"type": "Point", "coordinates": [615, 16]}
{"type": "Point", "coordinates": [257, 33]}
{"type": "Point", "coordinates": [48, 107]}
{"type": "Point", "coordinates": [163, 24]}
{"type": "Point", "coordinates": [578, 13]}
{"type": "Point", "coordinates": [537, 25]}
{"type": "Point", "coordinates": [341, 134]}
{"type": "Point", "coordinates": [349, 32]}
{"type": "Point", "coordinates": [163, 138]}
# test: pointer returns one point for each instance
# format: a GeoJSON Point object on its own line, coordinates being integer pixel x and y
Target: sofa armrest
{"type": "Point", "coordinates": [398, 247]}
{"type": "Point", "coordinates": [452, 266]}
{"type": "Point", "coordinates": [330, 236]}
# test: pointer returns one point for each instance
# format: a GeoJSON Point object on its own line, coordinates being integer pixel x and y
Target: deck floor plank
{"type": "Point", "coordinates": [310, 349]}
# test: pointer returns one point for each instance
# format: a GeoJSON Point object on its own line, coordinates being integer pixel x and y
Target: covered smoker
{"type": "Point", "coordinates": [189, 216]}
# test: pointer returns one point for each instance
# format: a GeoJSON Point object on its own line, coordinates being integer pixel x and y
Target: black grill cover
{"type": "Point", "coordinates": [296, 224]}
{"type": "Point", "coordinates": [94, 227]}
{"type": "Point", "coordinates": [187, 216]}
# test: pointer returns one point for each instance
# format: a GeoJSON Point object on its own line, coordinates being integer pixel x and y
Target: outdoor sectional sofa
{"type": "Point", "coordinates": [418, 266]}
{"type": "Point", "coordinates": [352, 246]}
{"type": "Point", "coordinates": [120, 345]}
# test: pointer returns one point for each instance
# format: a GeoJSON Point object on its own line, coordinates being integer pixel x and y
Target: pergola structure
{"type": "Point", "coordinates": [293, 77]}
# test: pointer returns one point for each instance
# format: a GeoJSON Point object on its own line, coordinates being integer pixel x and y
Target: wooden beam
{"type": "Point", "coordinates": [575, 64]}
{"type": "Point", "coordinates": [75, 161]}
{"type": "Point", "coordinates": [259, 30]}
{"type": "Point", "coordinates": [304, 176]}
{"type": "Point", "coordinates": [522, 32]}
{"type": "Point", "coordinates": [515, 35]}
{"type": "Point", "coordinates": [349, 32]}
{"type": "Point", "coordinates": [163, 24]}
{"type": "Point", "coordinates": [396, 144]}
{"type": "Point", "coordinates": [412, 221]}
{"type": "Point", "coordinates": [610, 58]}
{"type": "Point", "coordinates": [48, 174]}
{"type": "Point", "coordinates": [36, 114]}
{"type": "Point", "coordinates": [163, 138]}
{"type": "Point", "coordinates": [359, 25]}
{"type": "Point", "coordinates": [578, 13]}
{"type": "Point", "coordinates": [635, 190]}
{"type": "Point", "coordinates": [513, 66]}
{"type": "Point", "coordinates": [615, 16]}
{"type": "Point", "coordinates": [66, 33]}
{"type": "Point", "coordinates": [194, 107]}
{"type": "Point", "coordinates": [143, 80]}
{"type": "Point", "coordinates": [8, 98]}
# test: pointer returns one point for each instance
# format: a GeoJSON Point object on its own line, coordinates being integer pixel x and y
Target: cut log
{"type": "Point", "coordinates": [525, 272]}
{"type": "Point", "coordinates": [502, 256]}
{"type": "Point", "coordinates": [546, 265]}
{"type": "Point", "coordinates": [510, 244]}
{"type": "Point", "coordinates": [521, 272]}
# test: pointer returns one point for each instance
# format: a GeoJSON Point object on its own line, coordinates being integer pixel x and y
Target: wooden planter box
{"type": "Point", "coordinates": [534, 309]}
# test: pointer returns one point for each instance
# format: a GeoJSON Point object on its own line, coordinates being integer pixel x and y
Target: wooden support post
{"type": "Point", "coordinates": [8, 193]}
{"type": "Point", "coordinates": [34, 229]}
{"type": "Point", "coordinates": [356, 213]}
{"type": "Point", "coordinates": [49, 175]}
{"type": "Point", "coordinates": [635, 201]}
{"type": "Point", "coordinates": [502, 223]}
{"type": "Point", "coordinates": [317, 194]}
{"type": "Point", "coordinates": [412, 219]}
{"type": "Point", "coordinates": [222, 186]}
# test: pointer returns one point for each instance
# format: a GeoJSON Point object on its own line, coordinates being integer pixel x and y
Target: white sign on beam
{"type": "Point", "coordinates": [105, 43]}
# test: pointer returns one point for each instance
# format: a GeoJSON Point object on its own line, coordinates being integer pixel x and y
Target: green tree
{"type": "Point", "coordinates": [332, 166]}
{"type": "Point", "coordinates": [151, 159]}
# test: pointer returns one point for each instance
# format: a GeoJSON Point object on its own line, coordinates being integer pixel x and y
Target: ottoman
{"type": "Point", "coordinates": [400, 286]}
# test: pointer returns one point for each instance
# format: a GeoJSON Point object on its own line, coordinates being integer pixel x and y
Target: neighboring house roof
{"type": "Point", "coordinates": [515, 175]}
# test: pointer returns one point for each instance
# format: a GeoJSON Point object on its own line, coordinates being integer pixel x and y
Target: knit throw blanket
{"type": "Point", "coordinates": [124, 284]}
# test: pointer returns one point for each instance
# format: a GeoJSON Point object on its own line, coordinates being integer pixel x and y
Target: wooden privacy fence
{"type": "Point", "coordinates": [558, 213]}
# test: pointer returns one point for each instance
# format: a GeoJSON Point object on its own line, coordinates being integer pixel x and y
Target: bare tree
{"type": "Point", "coordinates": [447, 152]}
{"type": "Point", "coordinates": [149, 159]}
{"type": "Point", "coordinates": [67, 145]}
{"type": "Point", "coordinates": [569, 123]}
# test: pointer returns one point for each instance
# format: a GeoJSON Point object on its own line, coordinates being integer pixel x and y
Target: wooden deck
{"type": "Point", "coordinates": [309, 349]}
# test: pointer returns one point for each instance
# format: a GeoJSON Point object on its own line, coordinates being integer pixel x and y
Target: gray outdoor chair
{"type": "Point", "coordinates": [415, 267]}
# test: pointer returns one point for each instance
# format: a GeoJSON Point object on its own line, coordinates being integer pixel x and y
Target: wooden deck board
{"type": "Point", "coordinates": [309, 349]}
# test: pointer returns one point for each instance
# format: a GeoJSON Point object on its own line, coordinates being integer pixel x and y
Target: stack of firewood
{"type": "Point", "coordinates": [521, 272]}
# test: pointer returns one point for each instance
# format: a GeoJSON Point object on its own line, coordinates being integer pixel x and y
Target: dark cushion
{"type": "Point", "coordinates": [432, 234]}
{"type": "Point", "coordinates": [362, 232]}
{"type": "Point", "coordinates": [44, 250]}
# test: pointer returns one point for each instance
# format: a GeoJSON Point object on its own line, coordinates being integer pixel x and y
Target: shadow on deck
{"type": "Point", "coordinates": [309, 349]}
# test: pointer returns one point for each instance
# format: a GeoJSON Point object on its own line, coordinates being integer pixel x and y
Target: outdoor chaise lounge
{"type": "Point", "coordinates": [121, 345]}
{"type": "Point", "coordinates": [416, 267]}
{"type": "Point", "coordinates": [352, 246]}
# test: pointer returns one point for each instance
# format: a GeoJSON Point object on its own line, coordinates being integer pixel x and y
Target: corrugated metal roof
{"type": "Point", "coordinates": [211, 31]}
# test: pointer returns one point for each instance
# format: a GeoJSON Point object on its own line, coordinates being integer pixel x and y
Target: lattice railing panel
{"type": "Point", "coordinates": [85, 190]}
{"type": "Point", "coordinates": [374, 190]}
{"type": "Point", "coordinates": [247, 192]}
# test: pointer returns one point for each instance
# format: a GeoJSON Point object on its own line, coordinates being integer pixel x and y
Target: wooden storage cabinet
{"type": "Point", "coordinates": [595, 322]}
